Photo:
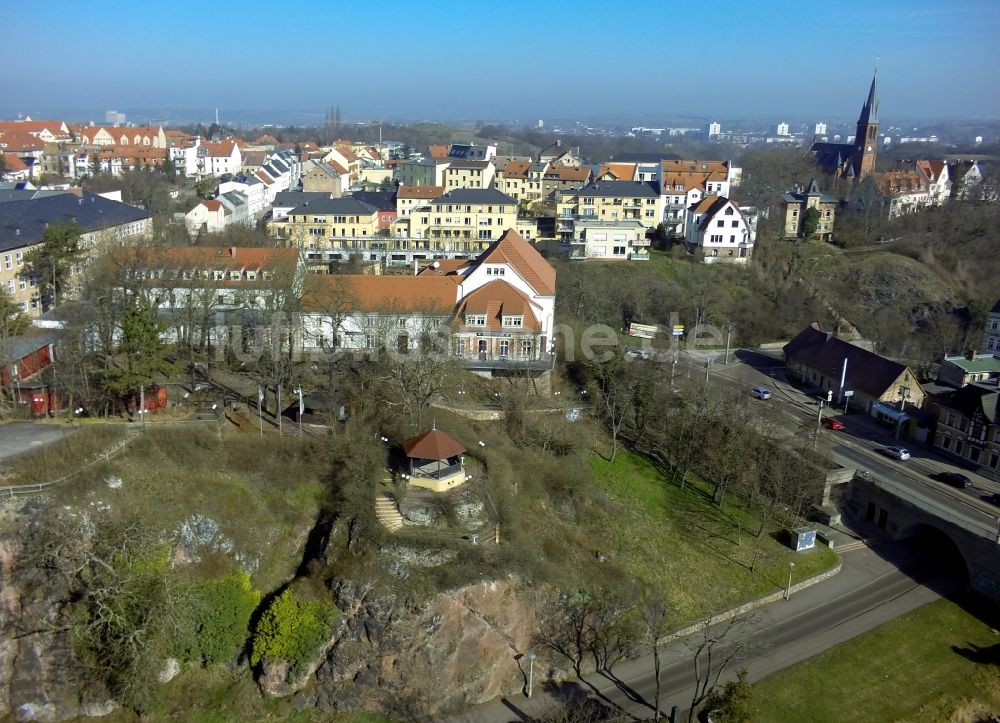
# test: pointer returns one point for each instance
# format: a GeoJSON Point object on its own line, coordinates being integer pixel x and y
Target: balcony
{"type": "Point", "coordinates": [483, 362]}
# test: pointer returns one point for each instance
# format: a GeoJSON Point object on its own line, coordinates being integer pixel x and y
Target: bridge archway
{"type": "Point", "coordinates": [936, 554]}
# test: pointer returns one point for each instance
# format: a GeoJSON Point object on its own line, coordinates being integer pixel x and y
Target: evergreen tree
{"type": "Point", "coordinates": [51, 262]}
{"type": "Point", "coordinates": [141, 351]}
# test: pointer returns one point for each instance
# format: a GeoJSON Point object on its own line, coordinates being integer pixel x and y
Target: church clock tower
{"type": "Point", "coordinates": [866, 138]}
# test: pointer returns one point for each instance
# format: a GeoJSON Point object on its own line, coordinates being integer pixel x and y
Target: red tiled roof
{"type": "Point", "coordinates": [433, 444]}
{"type": "Point", "coordinates": [621, 171]}
{"type": "Point", "coordinates": [517, 169]}
{"type": "Point", "coordinates": [439, 153]}
{"type": "Point", "coordinates": [496, 300]}
{"type": "Point", "coordinates": [14, 164]}
{"type": "Point", "coordinates": [512, 249]}
{"type": "Point", "coordinates": [212, 204]}
{"type": "Point", "coordinates": [401, 294]}
{"type": "Point", "coordinates": [443, 267]}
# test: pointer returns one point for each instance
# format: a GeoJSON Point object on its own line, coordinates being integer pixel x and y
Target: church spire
{"type": "Point", "coordinates": [869, 111]}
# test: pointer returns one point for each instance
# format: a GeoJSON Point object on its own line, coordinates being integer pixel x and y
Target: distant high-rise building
{"type": "Point", "coordinates": [114, 118]}
{"type": "Point", "coordinates": [783, 129]}
{"type": "Point", "coordinates": [821, 129]}
{"type": "Point", "coordinates": [979, 139]}
{"type": "Point", "coordinates": [541, 123]}
{"type": "Point", "coordinates": [714, 128]}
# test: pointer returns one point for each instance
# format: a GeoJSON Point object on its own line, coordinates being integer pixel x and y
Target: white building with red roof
{"type": "Point", "coordinates": [494, 313]}
{"type": "Point", "coordinates": [721, 230]}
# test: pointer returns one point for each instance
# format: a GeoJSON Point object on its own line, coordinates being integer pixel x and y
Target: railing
{"type": "Point", "coordinates": [438, 474]}
{"type": "Point", "coordinates": [491, 361]}
{"type": "Point", "coordinates": [15, 490]}
{"type": "Point", "coordinates": [915, 497]}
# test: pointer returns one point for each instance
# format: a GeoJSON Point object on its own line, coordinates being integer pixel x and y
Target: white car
{"type": "Point", "coordinates": [760, 393]}
{"type": "Point", "coordinates": [896, 453]}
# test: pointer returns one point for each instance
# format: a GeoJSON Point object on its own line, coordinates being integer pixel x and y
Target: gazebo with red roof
{"type": "Point", "coordinates": [436, 461]}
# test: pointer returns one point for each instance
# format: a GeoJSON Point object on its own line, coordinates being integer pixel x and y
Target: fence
{"type": "Point", "coordinates": [16, 490]}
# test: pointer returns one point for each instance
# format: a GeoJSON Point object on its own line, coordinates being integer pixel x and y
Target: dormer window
{"type": "Point", "coordinates": [235, 275]}
{"type": "Point", "coordinates": [220, 275]}
{"type": "Point", "coordinates": [495, 270]}
{"type": "Point", "coordinates": [251, 275]}
{"type": "Point", "coordinates": [475, 319]}
{"type": "Point", "coordinates": [514, 322]}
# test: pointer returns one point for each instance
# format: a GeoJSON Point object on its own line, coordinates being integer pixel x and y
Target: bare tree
{"type": "Point", "coordinates": [655, 619]}
{"type": "Point", "coordinates": [713, 649]}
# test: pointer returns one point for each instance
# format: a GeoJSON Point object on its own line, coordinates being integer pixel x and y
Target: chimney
{"type": "Point", "coordinates": [232, 252]}
{"type": "Point", "coordinates": [970, 354]}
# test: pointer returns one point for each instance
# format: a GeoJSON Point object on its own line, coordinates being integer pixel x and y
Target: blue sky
{"type": "Point", "coordinates": [504, 60]}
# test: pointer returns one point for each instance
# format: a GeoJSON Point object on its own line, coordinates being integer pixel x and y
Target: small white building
{"type": "Point", "coordinates": [721, 230]}
{"type": "Point", "coordinates": [609, 241]}
{"type": "Point", "coordinates": [782, 129]}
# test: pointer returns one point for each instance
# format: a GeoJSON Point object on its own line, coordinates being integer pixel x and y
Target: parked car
{"type": "Point", "coordinates": [831, 423]}
{"type": "Point", "coordinates": [896, 453]}
{"type": "Point", "coordinates": [955, 479]}
{"type": "Point", "coordinates": [993, 499]}
{"type": "Point", "coordinates": [760, 393]}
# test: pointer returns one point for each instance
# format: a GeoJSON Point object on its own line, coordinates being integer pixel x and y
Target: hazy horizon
{"type": "Point", "coordinates": [460, 61]}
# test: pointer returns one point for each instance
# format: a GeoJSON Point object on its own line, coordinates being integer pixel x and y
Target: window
{"type": "Point", "coordinates": [729, 211]}
{"type": "Point", "coordinates": [526, 348]}
{"type": "Point", "coordinates": [504, 347]}
{"type": "Point", "coordinates": [7, 262]}
{"type": "Point", "coordinates": [10, 286]}
{"type": "Point", "coordinates": [716, 239]}
{"type": "Point", "coordinates": [618, 251]}
{"type": "Point", "coordinates": [736, 224]}
{"type": "Point", "coordinates": [720, 223]}
{"type": "Point", "coordinates": [22, 284]}
{"type": "Point", "coordinates": [993, 324]}
{"type": "Point", "coordinates": [946, 441]}
{"type": "Point", "coordinates": [475, 320]}
{"type": "Point", "coordinates": [401, 322]}
{"type": "Point", "coordinates": [20, 260]}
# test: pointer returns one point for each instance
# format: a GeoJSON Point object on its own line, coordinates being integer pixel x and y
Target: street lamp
{"type": "Point", "coordinates": [788, 587]}
{"type": "Point", "coordinates": [531, 670]}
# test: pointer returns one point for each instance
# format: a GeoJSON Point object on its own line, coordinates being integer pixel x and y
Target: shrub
{"type": "Point", "coordinates": [293, 630]}
{"type": "Point", "coordinates": [221, 610]}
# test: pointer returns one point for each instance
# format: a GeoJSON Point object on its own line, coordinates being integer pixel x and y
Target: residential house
{"type": "Point", "coordinates": [936, 178]}
{"type": "Point", "coordinates": [721, 230]}
{"type": "Point", "coordinates": [608, 201]}
{"type": "Point", "coordinates": [968, 425]}
{"type": "Point", "coordinates": [46, 131]}
{"type": "Point", "coordinates": [991, 342]}
{"type": "Point", "coordinates": [347, 160]}
{"type": "Point", "coordinates": [330, 229]}
{"type": "Point", "coordinates": [512, 178]}
{"type": "Point", "coordinates": [895, 193]}
{"type": "Point", "coordinates": [618, 172]}
{"type": "Point", "coordinates": [969, 368]}
{"type": "Point", "coordinates": [609, 241]}
{"type": "Point", "coordinates": [14, 169]}
{"type": "Point", "coordinates": [966, 181]}
{"type": "Point", "coordinates": [285, 201]}
{"type": "Point", "coordinates": [471, 152]}
{"type": "Point", "coordinates": [564, 178]}
{"type": "Point", "coordinates": [423, 172]}
{"type": "Point", "coordinates": [123, 136]}
{"type": "Point", "coordinates": [215, 214]}
{"type": "Point", "coordinates": [795, 204]}
{"type": "Point", "coordinates": [22, 226]}
{"type": "Point", "coordinates": [384, 201]}
{"type": "Point", "coordinates": [220, 158]}
{"type": "Point", "coordinates": [468, 174]}
{"type": "Point", "coordinates": [254, 191]}
{"type": "Point", "coordinates": [685, 183]}
{"type": "Point", "coordinates": [464, 220]}
{"type": "Point", "coordinates": [326, 177]}
{"type": "Point", "coordinates": [878, 386]}
{"type": "Point", "coordinates": [556, 154]}
{"type": "Point", "coordinates": [411, 197]}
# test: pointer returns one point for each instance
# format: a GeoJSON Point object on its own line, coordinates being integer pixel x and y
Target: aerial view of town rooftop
{"type": "Point", "coordinates": [438, 374]}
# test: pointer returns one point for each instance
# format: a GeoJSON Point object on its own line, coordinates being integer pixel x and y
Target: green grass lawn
{"type": "Point", "coordinates": [697, 554]}
{"type": "Point", "coordinates": [938, 663]}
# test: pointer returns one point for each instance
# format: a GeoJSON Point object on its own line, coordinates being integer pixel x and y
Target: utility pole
{"type": "Point", "coordinates": [843, 377]}
{"type": "Point", "coordinates": [278, 412]}
{"type": "Point", "coordinates": [729, 333]}
{"type": "Point", "coordinates": [142, 404]}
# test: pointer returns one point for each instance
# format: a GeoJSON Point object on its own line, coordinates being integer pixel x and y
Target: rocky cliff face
{"type": "Point", "coordinates": [39, 674]}
{"type": "Point", "coordinates": [457, 650]}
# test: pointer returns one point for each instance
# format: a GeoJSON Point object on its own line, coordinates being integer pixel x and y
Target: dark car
{"type": "Point", "coordinates": [955, 479]}
{"type": "Point", "coordinates": [993, 499]}
{"type": "Point", "coordinates": [831, 423]}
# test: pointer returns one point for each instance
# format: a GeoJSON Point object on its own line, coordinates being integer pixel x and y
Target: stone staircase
{"type": "Point", "coordinates": [387, 512]}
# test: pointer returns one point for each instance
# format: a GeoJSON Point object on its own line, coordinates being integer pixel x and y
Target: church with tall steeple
{"type": "Point", "coordinates": [854, 161]}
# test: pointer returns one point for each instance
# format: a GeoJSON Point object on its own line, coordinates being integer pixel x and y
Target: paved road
{"type": "Point", "coordinates": [869, 591]}
{"type": "Point", "coordinates": [19, 437]}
